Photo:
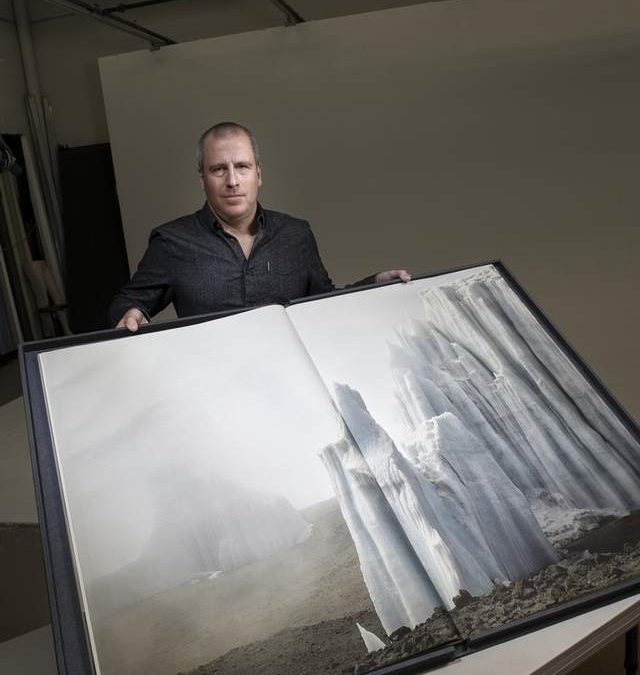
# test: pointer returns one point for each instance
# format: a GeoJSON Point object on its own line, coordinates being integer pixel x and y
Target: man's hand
{"type": "Point", "coordinates": [403, 275]}
{"type": "Point", "coordinates": [132, 319]}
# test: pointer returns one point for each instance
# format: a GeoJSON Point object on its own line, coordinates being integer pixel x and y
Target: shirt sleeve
{"type": "Point", "coordinates": [319, 279]}
{"type": "Point", "coordinates": [150, 288]}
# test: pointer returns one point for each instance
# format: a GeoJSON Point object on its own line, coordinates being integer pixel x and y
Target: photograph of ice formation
{"type": "Point", "coordinates": [509, 483]}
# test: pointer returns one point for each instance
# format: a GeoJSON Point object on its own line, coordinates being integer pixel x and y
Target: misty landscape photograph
{"type": "Point", "coordinates": [293, 611]}
{"type": "Point", "coordinates": [204, 525]}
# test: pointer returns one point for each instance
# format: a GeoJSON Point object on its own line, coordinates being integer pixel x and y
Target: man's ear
{"type": "Point", "coordinates": [259, 170]}
{"type": "Point", "coordinates": [201, 177]}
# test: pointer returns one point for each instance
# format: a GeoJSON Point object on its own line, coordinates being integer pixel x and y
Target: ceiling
{"type": "Point", "coordinates": [158, 21]}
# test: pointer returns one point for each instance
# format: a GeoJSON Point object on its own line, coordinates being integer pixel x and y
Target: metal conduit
{"type": "Point", "coordinates": [292, 16]}
{"type": "Point", "coordinates": [95, 12]}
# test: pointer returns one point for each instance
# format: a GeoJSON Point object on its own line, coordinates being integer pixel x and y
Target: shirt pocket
{"type": "Point", "coordinates": [288, 277]}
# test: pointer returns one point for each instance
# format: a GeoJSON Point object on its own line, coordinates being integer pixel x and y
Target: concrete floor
{"type": "Point", "coordinates": [10, 386]}
{"type": "Point", "coordinates": [26, 645]}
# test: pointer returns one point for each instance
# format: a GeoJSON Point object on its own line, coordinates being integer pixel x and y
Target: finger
{"type": "Point", "coordinates": [403, 275]}
{"type": "Point", "coordinates": [132, 323]}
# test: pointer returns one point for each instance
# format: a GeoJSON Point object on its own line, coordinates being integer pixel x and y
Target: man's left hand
{"type": "Point", "coordinates": [390, 275]}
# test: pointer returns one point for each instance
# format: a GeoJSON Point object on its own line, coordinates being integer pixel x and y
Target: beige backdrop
{"type": "Point", "coordinates": [430, 136]}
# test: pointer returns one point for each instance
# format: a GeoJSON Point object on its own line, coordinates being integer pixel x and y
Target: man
{"type": "Point", "coordinates": [230, 254]}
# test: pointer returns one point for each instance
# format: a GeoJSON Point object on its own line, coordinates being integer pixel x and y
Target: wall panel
{"type": "Point", "coordinates": [429, 136]}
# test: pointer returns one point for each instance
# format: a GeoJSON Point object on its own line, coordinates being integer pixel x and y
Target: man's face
{"type": "Point", "coordinates": [230, 178]}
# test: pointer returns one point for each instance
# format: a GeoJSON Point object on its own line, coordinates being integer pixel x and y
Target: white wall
{"type": "Point", "coordinates": [429, 136]}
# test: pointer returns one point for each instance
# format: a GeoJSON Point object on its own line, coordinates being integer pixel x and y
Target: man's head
{"type": "Point", "coordinates": [230, 173]}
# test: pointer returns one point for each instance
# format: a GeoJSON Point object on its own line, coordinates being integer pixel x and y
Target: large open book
{"type": "Point", "coordinates": [339, 486]}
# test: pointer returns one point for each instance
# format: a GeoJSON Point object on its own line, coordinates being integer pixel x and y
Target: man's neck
{"type": "Point", "coordinates": [244, 226]}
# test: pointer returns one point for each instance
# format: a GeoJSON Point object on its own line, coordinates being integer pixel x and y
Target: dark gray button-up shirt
{"type": "Point", "coordinates": [195, 264]}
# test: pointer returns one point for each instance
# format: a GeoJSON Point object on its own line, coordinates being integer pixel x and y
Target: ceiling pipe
{"type": "Point", "coordinates": [292, 16]}
{"type": "Point", "coordinates": [94, 12]}
{"type": "Point", "coordinates": [123, 7]}
{"type": "Point", "coordinates": [54, 17]}
{"type": "Point", "coordinates": [25, 42]}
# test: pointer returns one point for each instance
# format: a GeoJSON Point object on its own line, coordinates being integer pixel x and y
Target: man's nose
{"type": "Point", "coordinates": [232, 177]}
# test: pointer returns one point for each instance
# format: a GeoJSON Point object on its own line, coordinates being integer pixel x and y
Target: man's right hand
{"type": "Point", "coordinates": [132, 319]}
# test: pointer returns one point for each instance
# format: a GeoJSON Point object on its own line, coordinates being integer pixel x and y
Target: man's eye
{"type": "Point", "coordinates": [243, 167]}
{"type": "Point", "coordinates": [217, 170]}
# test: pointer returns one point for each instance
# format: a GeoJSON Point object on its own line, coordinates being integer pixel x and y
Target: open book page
{"type": "Point", "coordinates": [204, 525]}
{"type": "Point", "coordinates": [516, 483]}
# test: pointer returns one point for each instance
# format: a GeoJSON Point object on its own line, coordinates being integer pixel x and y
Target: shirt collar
{"type": "Point", "coordinates": [209, 217]}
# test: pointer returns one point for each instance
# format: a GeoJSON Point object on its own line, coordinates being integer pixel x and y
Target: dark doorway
{"type": "Point", "coordinates": [96, 257]}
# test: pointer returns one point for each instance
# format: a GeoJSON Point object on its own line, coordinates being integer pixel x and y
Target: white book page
{"type": "Point", "coordinates": [152, 431]}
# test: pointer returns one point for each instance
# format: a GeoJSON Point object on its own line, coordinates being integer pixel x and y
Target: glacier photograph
{"type": "Point", "coordinates": [508, 481]}
{"type": "Point", "coordinates": [381, 473]}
